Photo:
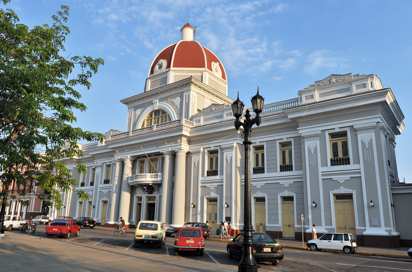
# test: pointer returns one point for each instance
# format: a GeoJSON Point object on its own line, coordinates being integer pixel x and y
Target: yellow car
{"type": "Point", "coordinates": [150, 232]}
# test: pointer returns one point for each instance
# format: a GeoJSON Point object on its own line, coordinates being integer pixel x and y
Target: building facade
{"type": "Point", "coordinates": [326, 157]}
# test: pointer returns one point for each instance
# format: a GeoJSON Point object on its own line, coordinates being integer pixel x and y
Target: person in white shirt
{"type": "Point", "coordinates": [314, 235]}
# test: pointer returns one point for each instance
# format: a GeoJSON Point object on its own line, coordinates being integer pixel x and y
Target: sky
{"type": "Point", "coordinates": [280, 46]}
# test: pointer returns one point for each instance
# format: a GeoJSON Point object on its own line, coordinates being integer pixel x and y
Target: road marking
{"type": "Point", "coordinates": [167, 251]}
{"type": "Point", "coordinates": [326, 268]}
{"type": "Point", "coordinates": [129, 246]}
{"type": "Point", "coordinates": [375, 266]}
{"type": "Point", "coordinates": [99, 242]}
{"type": "Point", "coordinates": [212, 257]}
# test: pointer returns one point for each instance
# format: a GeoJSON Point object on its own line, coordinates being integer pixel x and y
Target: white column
{"type": "Point", "coordinates": [167, 188]}
{"type": "Point", "coordinates": [179, 190]}
{"type": "Point", "coordinates": [126, 190]}
{"type": "Point", "coordinates": [117, 183]}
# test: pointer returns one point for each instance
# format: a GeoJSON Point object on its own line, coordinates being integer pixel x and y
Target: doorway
{"type": "Point", "coordinates": [138, 213]}
{"type": "Point", "coordinates": [150, 207]}
{"type": "Point", "coordinates": [212, 213]}
{"type": "Point", "coordinates": [89, 209]}
{"type": "Point", "coordinates": [344, 214]}
{"type": "Point", "coordinates": [104, 213]}
{"type": "Point", "coordinates": [79, 211]}
{"type": "Point", "coordinates": [260, 214]}
{"type": "Point", "coordinates": [288, 216]}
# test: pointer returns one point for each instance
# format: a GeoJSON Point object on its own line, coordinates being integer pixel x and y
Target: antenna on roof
{"type": "Point", "coordinates": [195, 31]}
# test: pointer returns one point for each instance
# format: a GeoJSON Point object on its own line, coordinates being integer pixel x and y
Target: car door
{"type": "Point", "coordinates": [337, 241]}
{"type": "Point", "coordinates": [325, 242]}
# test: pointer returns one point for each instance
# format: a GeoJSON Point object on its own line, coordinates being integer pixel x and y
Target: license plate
{"type": "Point", "coordinates": [266, 249]}
{"type": "Point", "coordinates": [91, 225]}
{"type": "Point", "coordinates": [147, 236]}
{"type": "Point", "coordinates": [190, 241]}
{"type": "Point", "coordinates": [54, 229]}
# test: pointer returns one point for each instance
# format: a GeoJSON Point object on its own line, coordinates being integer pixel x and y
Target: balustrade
{"type": "Point", "coordinates": [286, 167]}
{"type": "Point", "coordinates": [339, 161]}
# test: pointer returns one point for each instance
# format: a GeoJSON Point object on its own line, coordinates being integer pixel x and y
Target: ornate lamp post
{"type": "Point", "coordinates": [248, 262]}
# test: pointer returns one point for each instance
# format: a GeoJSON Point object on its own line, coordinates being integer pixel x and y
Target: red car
{"type": "Point", "coordinates": [63, 227]}
{"type": "Point", "coordinates": [189, 239]}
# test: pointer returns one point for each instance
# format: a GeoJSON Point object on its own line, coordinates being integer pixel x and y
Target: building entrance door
{"type": "Point", "coordinates": [212, 213]}
{"type": "Point", "coordinates": [138, 213]}
{"type": "Point", "coordinates": [89, 209]}
{"type": "Point", "coordinates": [104, 213]}
{"type": "Point", "coordinates": [288, 217]}
{"type": "Point", "coordinates": [79, 211]}
{"type": "Point", "coordinates": [150, 207]}
{"type": "Point", "coordinates": [344, 214]}
{"type": "Point", "coordinates": [260, 214]}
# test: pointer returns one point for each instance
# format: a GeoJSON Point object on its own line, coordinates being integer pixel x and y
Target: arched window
{"type": "Point", "coordinates": [156, 117]}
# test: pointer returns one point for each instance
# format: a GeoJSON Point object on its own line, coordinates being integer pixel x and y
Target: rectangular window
{"type": "Point", "coordinates": [259, 159]}
{"type": "Point", "coordinates": [92, 177]}
{"type": "Point", "coordinates": [153, 166]}
{"type": "Point", "coordinates": [286, 157]}
{"type": "Point", "coordinates": [141, 166]}
{"type": "Point", "coordinates": [83, 182]}
{"type": "Point", "coordinates": [107, 174]}
{"type": "Point", "coordinates": [339, 150]}
{"type": "Point", "coordinates": [213, 160]}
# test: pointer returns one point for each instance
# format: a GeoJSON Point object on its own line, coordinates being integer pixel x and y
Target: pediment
{"type": "Point", "coordinates": [214, 108]}
{"type": "Point", "coordinates": [333, 79]}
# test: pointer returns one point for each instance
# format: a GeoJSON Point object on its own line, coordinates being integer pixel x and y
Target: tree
{"type": "Point", "coordinates": [37, 99]}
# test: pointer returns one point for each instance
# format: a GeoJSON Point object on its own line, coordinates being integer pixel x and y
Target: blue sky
{"type": "Point", "coordinates": [281, 46]}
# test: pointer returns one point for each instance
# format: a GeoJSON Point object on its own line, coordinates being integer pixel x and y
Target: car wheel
{"type": "Point", "coordinates": [229, 252]}
{"type": "Point", "coordinates": [201, 252]}
{"type": "Point", "coordinates": [313, 247]}
{"type": "Point", "coordinates": [176, 252]}
{"type": "Point", "coordinates": [91, 227]}
{"type": "Point", "coordinates": [9, 228]}
{"type": "Point", "coordinates": [68, 235]}
{"type": "Point", "coordinates": [49, 236]}
{"type": "Point", "coordinates": [78, 233]}
{"type": "Point", "coordinates": [347, 250]}
{"type": "Point", "coordinates": [135, 244]}
{"type": "Point", "coordinates": [275, 262]}
{"type": "Point", "coordinates": [159, 244]}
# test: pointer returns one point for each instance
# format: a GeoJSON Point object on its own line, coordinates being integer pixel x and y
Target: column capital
{"type": "Point", "coordinates": [168, 153]}
{"type": "Point", "coordinates": [181, 152]}
{"type": "Point", "coordinates": [366, 127]}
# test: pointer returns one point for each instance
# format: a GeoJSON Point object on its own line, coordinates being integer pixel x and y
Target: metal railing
{"type": "Point", "coordinates": [212, 173]}
{"type": "Point", "coordinates": [339, 161]}
{"type": "Point", "coordinates": [286, 167]}
{"type": "Point", "coordinates": [259, 170]}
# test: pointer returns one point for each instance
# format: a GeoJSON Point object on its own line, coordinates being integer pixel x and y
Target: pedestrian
{"type": "Point", "coordinates": [314, 235]}
{"type": "Point", "coordinates": [221, 227]}
{"type": "Point", "coordinates": [207, 223]}
{"type": "Point", "coordinates": [229, 229]}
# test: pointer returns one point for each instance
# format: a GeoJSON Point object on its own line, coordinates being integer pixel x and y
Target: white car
{"type": "Point", "coordinates": [41, 219]}
{"type": "Point", "coordinates": [13, 222]}
{"type": "Point", "coordinates": [410, 252]}
{"type": "Point", "coordinates": [334, 241]}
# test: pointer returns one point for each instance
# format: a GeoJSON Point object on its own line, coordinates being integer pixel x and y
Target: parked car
{"type": "Point", "coordinates": [41, 219]}
{"type": "Point", "coordinates": [410, 252]}
{"type": "Point", "coordinates": [264, 247]}
{"type": "Point", "coordinates": [205, 228]}
{"type": "Point", "coordinates": [150, 232]}
{"type": "Point", "coordinates": [13, 222]}
{"type": "Point", "coordinates": [169, 230]}
{"type": "Point", "coordinates": [86, 222]}
{"type": "Point", "coordinates": [334, 241]}
{"type": "Point", "coordinates": [189, 239]}
{"type": "Point", "coordinates": [63, 227]}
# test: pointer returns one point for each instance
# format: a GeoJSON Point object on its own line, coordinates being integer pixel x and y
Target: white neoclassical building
{"type": "Point", "coordinates": [327, 155]}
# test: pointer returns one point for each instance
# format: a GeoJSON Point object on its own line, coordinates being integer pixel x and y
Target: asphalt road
{"type": "Point", "coordinates": [99, 250]}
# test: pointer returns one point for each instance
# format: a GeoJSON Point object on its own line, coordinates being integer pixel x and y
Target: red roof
{"type": "Point", "coordinates": [188, 54]}
{"type": "Point", "coordinates": [187, 25]}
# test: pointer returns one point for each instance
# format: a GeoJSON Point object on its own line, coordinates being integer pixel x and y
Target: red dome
{"type": "Point", "coordinates": [188, 54]}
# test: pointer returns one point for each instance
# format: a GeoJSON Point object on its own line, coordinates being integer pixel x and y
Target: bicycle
{"type": "Point", "coordinates": [118, 231]}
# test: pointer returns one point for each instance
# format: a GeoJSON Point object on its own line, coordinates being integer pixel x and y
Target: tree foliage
{"type": "Point", "coordinates": [37, 98]}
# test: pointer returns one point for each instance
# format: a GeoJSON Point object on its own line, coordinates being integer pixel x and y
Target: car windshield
{"type": "Point", "coordinates": [189, 233]}
{"type": "Point", "coordinates": [45, 217]}
{"type": "Point", "coordinates": [190, 225]}
{"type": "Point", "coordinates": [148, 226]}
{"type": "Point", "coordinates": [7, 217]}
{"type": "Point", "coordinates": [165, 225]}
{"type": "Point", "coordinates": [352, 238]}
{"type": "Point", "coordinates": [260, 238]}
{"type": "Point", "coordinates": [59, 223]}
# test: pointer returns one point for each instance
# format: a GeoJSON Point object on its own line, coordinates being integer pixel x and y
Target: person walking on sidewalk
{"type": "Point", "coordinates": [314, 235]}
{"type": "Point", "coordinates": [229, 229]}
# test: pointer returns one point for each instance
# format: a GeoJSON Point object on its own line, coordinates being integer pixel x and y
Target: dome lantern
{"type": "Point", "coordinates": [187, 32]}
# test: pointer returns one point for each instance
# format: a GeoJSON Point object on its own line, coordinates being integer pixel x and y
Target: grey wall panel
{"type": "Point", "coordinates": [323, 151]}
{"type": "Point", "coordinates": [354, 149]}
{"type": "Point", "coordinates": [298, 154]}
{"type": "Point", "coordinates": [402, 212]}
{"type": "Point", "coordinates": [271, 157]}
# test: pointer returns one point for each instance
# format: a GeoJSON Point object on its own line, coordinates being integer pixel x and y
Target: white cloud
{"type": "Point", "coordinates": [279, 8]}
{"type": "Point", "coordinates": [296, 53]}
{"type": "Point", "coordinates": [277, 78]}
{"type": "Point", "coordinates": [287, 64]}
{"type": "Point", "coordinates": [111, 58]}
{"type": "Point", "coordinates": [322, 59]}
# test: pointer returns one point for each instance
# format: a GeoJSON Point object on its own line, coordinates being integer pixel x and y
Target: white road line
{"type": "Point", "coordinates": [167, 251]}
{"type": "Point", "coordinates": [212, 257]}
{"type": "Point", "coordinates": [326, 268]}
{"type": "Point", "coordinates": [382, 267]}
{"type": "Point", "coordinates": [99, 242]}
{"type": "Point", "coordinates": [129, 246]}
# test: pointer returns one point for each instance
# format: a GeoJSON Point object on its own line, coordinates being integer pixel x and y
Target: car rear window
{"type": "Point", "coordinates": [189, 233]}
{"type": "Point", "coordinates": [148, 226]}
{"type": "Point", "coordinates": [59, 223]}
{"type": "Point", "coordinates": [262, 238]}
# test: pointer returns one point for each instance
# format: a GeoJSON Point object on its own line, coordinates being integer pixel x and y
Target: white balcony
{"type": "Point", "coordinates": [145, 178]}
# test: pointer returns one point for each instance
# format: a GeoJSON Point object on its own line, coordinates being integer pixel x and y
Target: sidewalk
{"type": "Point", "coordinates": [368, 251]}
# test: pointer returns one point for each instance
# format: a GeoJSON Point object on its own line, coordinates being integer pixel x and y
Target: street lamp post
{"type": "Point", "coordinates": [248, 262]}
